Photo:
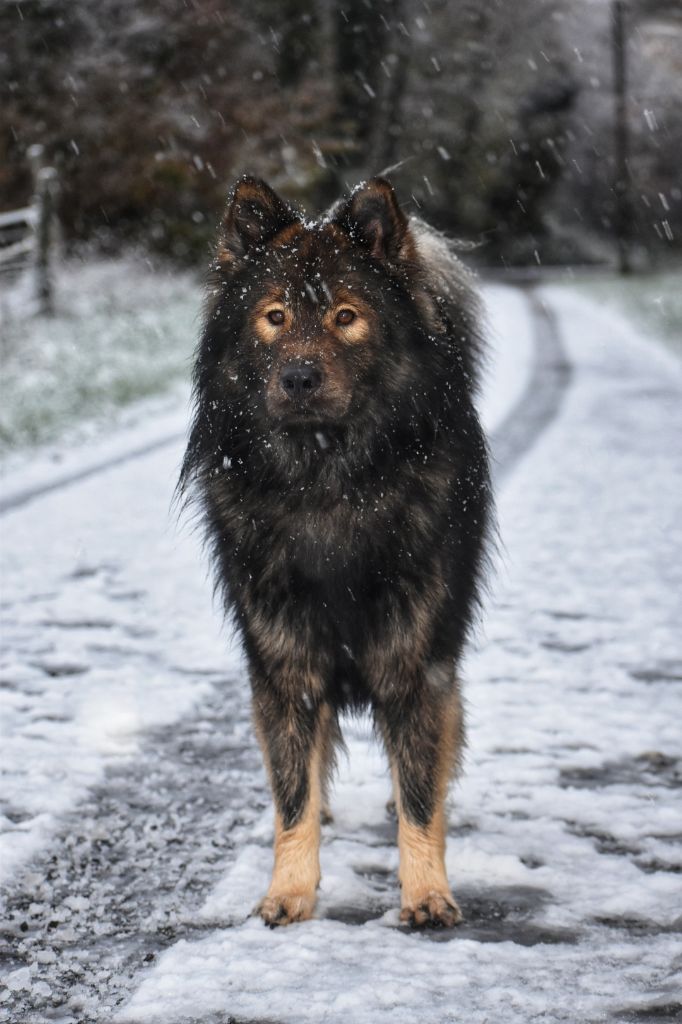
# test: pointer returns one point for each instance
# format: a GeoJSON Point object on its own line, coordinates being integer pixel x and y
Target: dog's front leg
{"type": "Point", "coordinates": [423, 735]}
{"type": "Point", "coordinates": [291, 733]}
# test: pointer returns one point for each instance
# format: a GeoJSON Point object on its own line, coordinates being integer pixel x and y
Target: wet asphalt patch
{"type": "Point", "coordinates": [650, 768]}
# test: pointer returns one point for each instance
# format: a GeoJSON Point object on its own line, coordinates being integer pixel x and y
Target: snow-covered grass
{"type": "Point", "coordinates": [122, 330]}
{"type": "Point", "coordinates": [652, 301]}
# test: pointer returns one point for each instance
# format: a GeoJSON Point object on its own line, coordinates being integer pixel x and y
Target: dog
{"type": "Point", "coordinates": [342, 476]}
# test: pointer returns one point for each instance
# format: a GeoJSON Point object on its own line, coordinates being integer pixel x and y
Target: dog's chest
{"type": "Point", "coordinates": [330, 541]}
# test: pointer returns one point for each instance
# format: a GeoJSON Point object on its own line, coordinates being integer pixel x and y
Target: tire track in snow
{"type": "Point", "coordinates": [540, 402]}
{"type": "Point", "coordinates": [25, 495]}
{"type": "Point", "coordinates": [139, 855]}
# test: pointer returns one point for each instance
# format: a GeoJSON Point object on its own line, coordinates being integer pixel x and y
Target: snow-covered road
{"type": "Point", "coordinates": [137, 823]}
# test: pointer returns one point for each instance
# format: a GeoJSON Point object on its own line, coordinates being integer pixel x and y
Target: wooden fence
{"type": "Point", "coordinates": [27, 236]}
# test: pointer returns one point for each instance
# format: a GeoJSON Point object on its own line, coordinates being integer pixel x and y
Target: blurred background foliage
{"type": "Point", "coordinates": [500, 116]}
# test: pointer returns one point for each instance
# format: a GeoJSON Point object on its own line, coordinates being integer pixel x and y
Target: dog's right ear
{"type": "Point", "coordinates": [254, 215]}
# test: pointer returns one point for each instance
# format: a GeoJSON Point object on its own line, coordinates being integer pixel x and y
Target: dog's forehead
{"type": "Point", "coordinates": [314, 240]}
{"type": "Point", "coordinates": [311, 260]}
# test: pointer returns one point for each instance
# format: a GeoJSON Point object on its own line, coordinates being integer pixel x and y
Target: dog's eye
{"type": "Point", "coordinates": [345, 317]}
{"type": "Point", "coordinates": [276, 317]}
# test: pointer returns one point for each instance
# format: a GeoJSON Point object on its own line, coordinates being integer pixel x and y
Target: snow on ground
{"type": "Point", "coordinates": [96, 644]}
{"type": "Point", "coordinates": [562, 841]}
{"type": "Point", "coordinates": [510, 346]}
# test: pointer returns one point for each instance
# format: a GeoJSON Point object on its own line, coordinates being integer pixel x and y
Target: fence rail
{"type": "Point", "coordinates": [17, 238]}
{"type": "Point", "coordinates": [27, 234]}
{"type": "Point", "coordinates": [26, 216]}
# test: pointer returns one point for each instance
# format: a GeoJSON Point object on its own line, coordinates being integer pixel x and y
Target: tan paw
{"type": "Point", "coordinates": [283, 909]}
{"type": "Point", "coordinates": [433, 910]}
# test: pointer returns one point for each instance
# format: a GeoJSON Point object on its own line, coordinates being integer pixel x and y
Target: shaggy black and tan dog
{"type": "Point", "coordinates": [343, 475]}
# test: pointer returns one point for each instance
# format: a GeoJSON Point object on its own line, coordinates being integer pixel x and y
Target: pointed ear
{"type": "Point", "coordinates": [254, 214]}
{"type": "Point", "coordinates": [372, 217]}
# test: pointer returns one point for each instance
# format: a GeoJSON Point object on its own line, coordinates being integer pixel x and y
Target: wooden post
{"type": "Point", "coordinates": [36, 158]}
{"type": "Point", "coordinates": [46, 178]}
{"type": "Point", "coordinates": [621, 184]}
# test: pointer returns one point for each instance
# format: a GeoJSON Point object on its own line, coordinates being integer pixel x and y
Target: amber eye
{"type": "Point", "coordinates": [276, 317]}
{"type": "Point", "coordinates": [345, 317]}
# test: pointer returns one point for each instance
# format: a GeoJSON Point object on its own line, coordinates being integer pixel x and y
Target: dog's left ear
{"type": "Point", "coordinates": [372, 217]}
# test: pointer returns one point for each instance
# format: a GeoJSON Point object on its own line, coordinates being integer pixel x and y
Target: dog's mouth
{"type": "Point", "coordinates": [303, 420]}
{"type": "Point", "coordinates": [305, 416]}
{"type": "Point", "coordinates": [324, 434]}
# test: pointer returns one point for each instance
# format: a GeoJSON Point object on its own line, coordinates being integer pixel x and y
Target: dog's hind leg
{"type": "Point", "coordinates": [423, 736]}
{"type": "Point", "coordinates": [330, 741]}
{"type": "Point", "coordinates": [292, 738]}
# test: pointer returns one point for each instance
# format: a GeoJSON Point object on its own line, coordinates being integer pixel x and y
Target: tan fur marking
{"type": "Point", "coordinates": [354, 333]}
{"type": "Point", "coordinates": [266, 331]}
{"type": "Point", "coordinates": [422, 859]}
{"type": "Point", "coordinates": [225, 256]}
{"type": "Point", "coordinates": [360, 329]}
{"type": "Point", "coordinates": [288, 234]}
{"type": "Point", "coordinates": [272, 638]}
{"type": "Point", "coordinates": [405, 640]}
{"type": "Point", "coordinates": [296, 873]}
{"type": "Point", "coordinates": [334, 394]}
{"type": "Point", "coordinates": [328, 735]}
{"type": "Point", "coordinates": [426, 897]}
{"type": "Point", "coordinates": [246, 189]}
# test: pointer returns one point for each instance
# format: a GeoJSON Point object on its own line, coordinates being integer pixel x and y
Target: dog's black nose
{"type": "Point", "coordinates": [299, 380]}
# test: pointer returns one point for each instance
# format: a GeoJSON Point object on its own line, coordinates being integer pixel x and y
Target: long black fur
{"type": "Point", "coordinates": [349, 548]}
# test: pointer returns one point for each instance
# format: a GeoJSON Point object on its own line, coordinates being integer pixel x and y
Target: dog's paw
{"type": "Point", "coordinates": [434, 910]}
{"type": "Point", "coordinates": [281, 909]}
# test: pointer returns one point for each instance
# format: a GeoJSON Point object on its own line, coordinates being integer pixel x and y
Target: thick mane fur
{"type": "Point", "coordinates": [453, 286]}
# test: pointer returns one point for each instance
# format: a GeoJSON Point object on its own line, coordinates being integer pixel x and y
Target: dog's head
{"type": "Point", "coordinates": [308, 321]}
{"type": "Point", "coordinates": [355, 334]}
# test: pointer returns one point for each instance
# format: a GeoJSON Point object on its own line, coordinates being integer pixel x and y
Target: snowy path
{"type": "Point", "coordinates": [138, 817]}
